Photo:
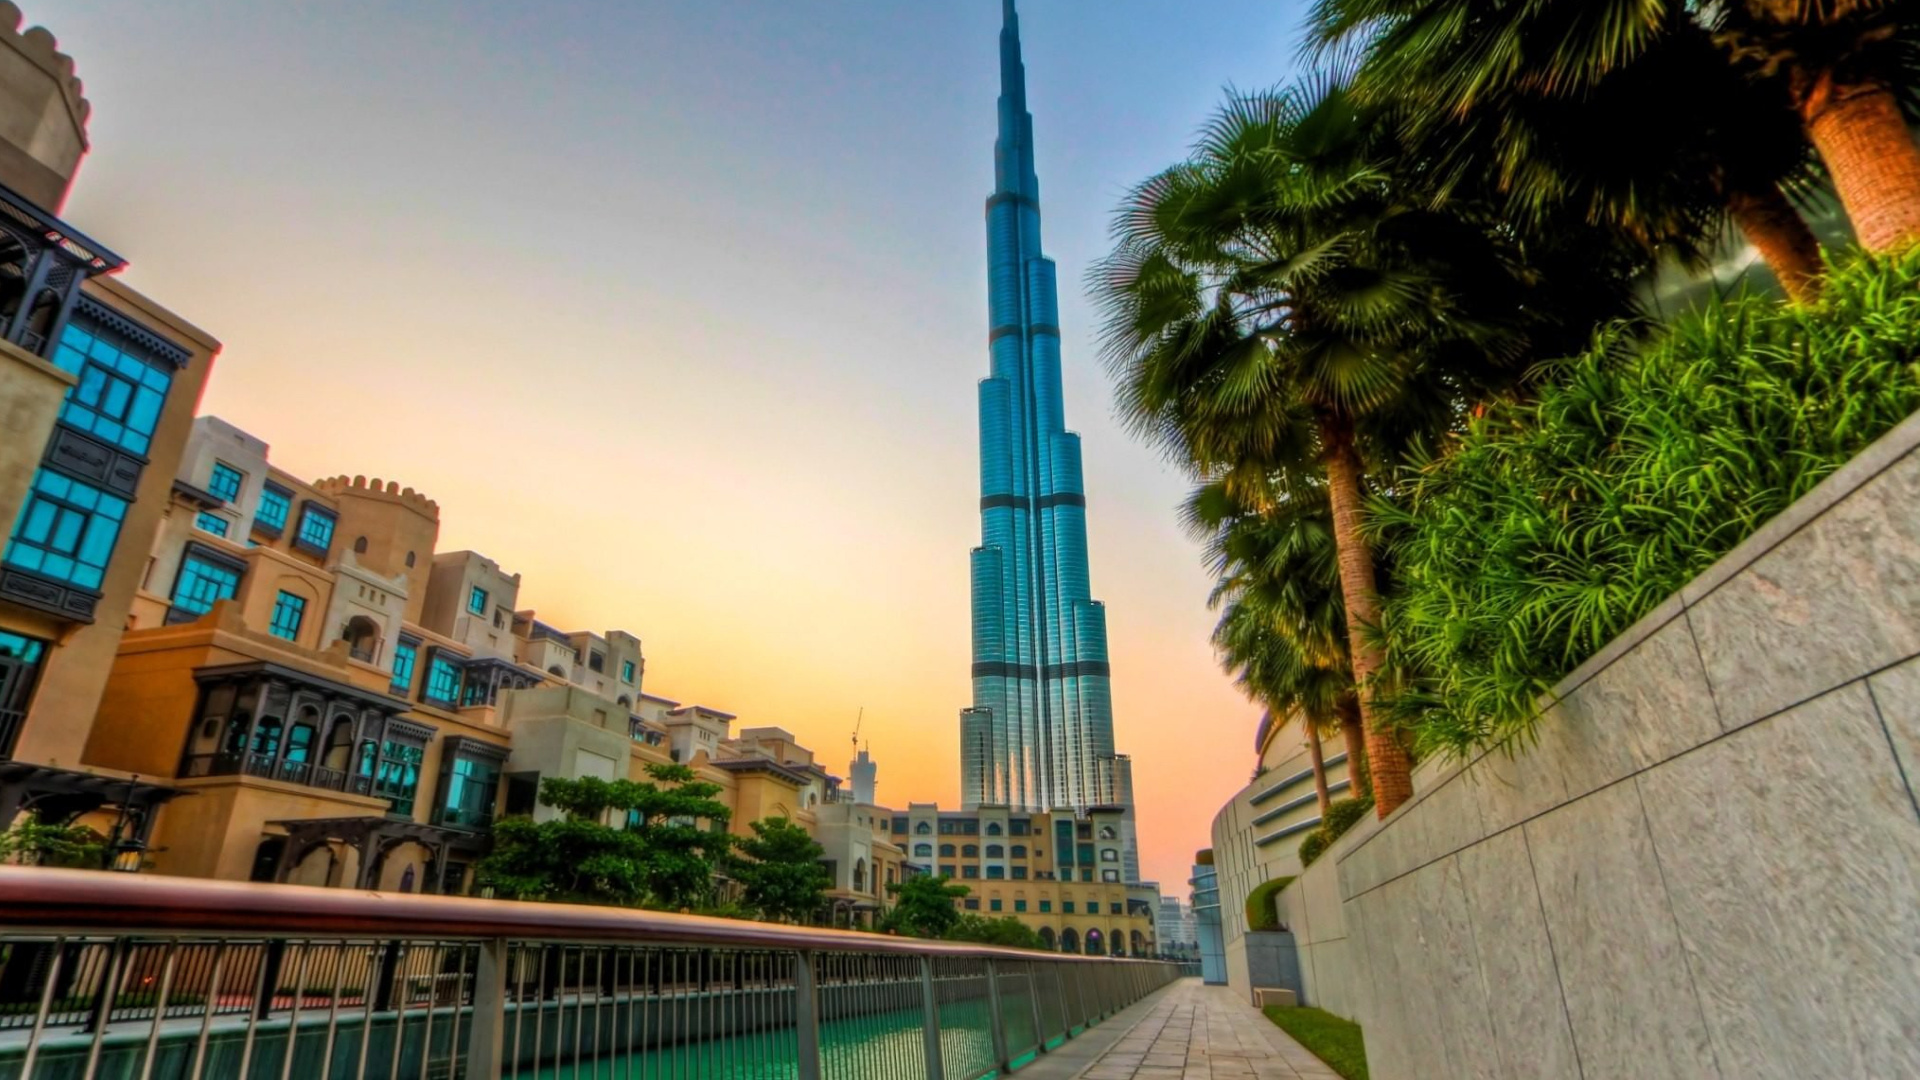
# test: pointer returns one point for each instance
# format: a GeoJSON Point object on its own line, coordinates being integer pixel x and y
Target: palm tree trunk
{"type": "Point", "coordinates": [1359, 777]}
{"type": "Point", "coordinates": [1861, 135]}
{"type": "Point", "coordinates": [1392, 769]}
{"type": "Point", "coordinates": [1319, 766]}
{"type": "Point", "coordinates": [1781, 236]}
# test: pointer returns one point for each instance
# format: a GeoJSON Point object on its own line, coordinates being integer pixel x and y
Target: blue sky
{"type": "Point", "coordinates": [677, 309]}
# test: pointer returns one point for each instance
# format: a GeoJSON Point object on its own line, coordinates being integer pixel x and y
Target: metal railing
{"type": "Point", "coordinates": [153, 978]}
{"type": "Point", "coordinates": [273, 767]}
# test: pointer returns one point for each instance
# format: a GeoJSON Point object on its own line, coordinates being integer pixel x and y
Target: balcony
{"type": "Point", "coordinates": [272, 767]}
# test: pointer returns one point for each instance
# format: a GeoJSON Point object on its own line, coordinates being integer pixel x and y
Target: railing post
{"type": "Point", "coordinates": [272, 958]}
{"type": "Point", "coordinates": [806, 1019]}
{"type": "Point", "coordinates": [486, 1035]}
{"type": "Point", "coordinates": [931, 1030]}
{"type": "Point", "coordinates": [996, 1022]}
{"type": "Point", "coordinates": [1062, 972]}
{"type": "Point", "coordinates": [1033, 1000]}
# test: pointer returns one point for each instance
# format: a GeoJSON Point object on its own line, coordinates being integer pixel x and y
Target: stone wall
{"type": "Point", "coordinates": [1708, 863]}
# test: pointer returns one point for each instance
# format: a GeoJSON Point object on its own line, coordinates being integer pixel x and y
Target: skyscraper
{"type": "Point", "coordinates": [1039, 735]}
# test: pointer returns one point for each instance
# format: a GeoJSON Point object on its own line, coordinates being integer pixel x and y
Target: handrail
{"type": "Point", "coordinates": [41, 898]}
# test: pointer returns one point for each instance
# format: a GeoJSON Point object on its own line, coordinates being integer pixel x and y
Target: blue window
{"type": "Point", "coordinates": [1046, 906]}
{"type": "Point", "coordinates": [224, 481]}
{"type": "Point", "coordinates": [477, 601]}
{"type": "Point", "coordinates": [271, 514]}
{"type": "Point", "coordinates": [316, 528]}
{"type": "Point", "coordinates": [471, 788]}
{"type": "Point", "coordinates": [443, 681]}
{"type": "Point", "coordinates": [210, 523]}
{"type": "Point", "coordinates": [398, 775]}
{"type": "Point", "coordinates": [202, 582]}
{"type": "Point", "coordinates": [288, 610]}
{"type": "Point", "coordinates": [18, 647]}
{"type": "Point", "coordinates": [626, 672]}
{"type": "Point", "coordinates": [1066, 907]}
{"type": "Point", "coordinates": [66, 530]}
{"type": "Point", "coordinates": [119, 395]}
{"type": "Point", "coordinates": [405, 654]}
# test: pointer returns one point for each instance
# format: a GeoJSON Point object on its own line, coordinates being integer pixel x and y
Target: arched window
{"type": "Point", "coordinates": [1019, 851]}
{"type": "Point", "coordinates": [970, 851]}
{"type": "Point", "coordinates": [859, 875]}
{"type": "Point", "coordinates": [1047, 939]}
{"type": "Point", "coordinates": [1096, 944]}
{"type": "Point", "coordinates": [1070, 941]}
{"type": "Point", "coordinates": [993, 828]}
{"type": "Point", "coordinates": [359, 545]}
{"type": "Point", "coordinates": [362, 636]}
{"type": "Point", "coordinates": [922, 829]}
{"type": "Point", "coordinates": [1118, 944]}
{"type": "Point", "coordinates": [923, 851]}
{"type": "Point", "coordinates": [626, 702]}
{"type": "Point", "coordinates": [556, 670]}
{"type": "Point", "coordinates": [339, 745]}
{"type": "Point", "coordinates": [409, 560]}
{"type": "Point", "coordinates": [369, 757]}
{"type": "Point", "coordinates": [946, 851]}
{"type": "Point", "coordinates": [1136, 944]}
{"type": "Point", "coordinates": [237, 725]}
{"type": "Point", "coordinates": [995, 851]}
{"type": "Point", "coordinates": [1107, 833]}
{"type": "Point", "coordinates": [300, 738]}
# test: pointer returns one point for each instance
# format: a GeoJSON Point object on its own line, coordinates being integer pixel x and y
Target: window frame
{"type": "Point", "coordinates": [282, 499]}
{"type": "Point", "coordinates": [476, 600]}
{"type": "Point", "coordinates": [284, 601]}
{"type": "Point", "coordinates": [311, 511]}
{"type": "Point", "coordinates": [218, 486]}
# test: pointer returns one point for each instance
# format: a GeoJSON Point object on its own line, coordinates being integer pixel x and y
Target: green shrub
{"type": "Point", "coordinates": [1334, 1040]}
{"type": "Point", "coordinates": [1262, 912]}
{"type": "Point", "coordinates": [1554, 524]}
{"type": "Point", "coordinates": [1341, 815]}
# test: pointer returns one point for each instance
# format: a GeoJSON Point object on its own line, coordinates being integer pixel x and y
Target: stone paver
{"type": "Point", "coordinates": [1195, 1032]}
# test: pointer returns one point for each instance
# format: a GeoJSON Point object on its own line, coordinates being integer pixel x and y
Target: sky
{"type": "Point", "coordinates": [677, 308]}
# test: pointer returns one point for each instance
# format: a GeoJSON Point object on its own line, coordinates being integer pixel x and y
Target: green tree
{"type": "Point", "coordinates": [616, 842]}
{"type": "Point", "coordinates": [1282, 630]}
{"type": "Point", "coordinates": [1005, 930]}
{"type": "Point", "coordinates": [1287, 304]}
{"type": "Point", "coordinates": [1672, 99]}
{"type": "Point", "coordinates": [35, 842]}
{"type": "Point", "coordinates": [779, 871]}
{"type": "Point", "coordinates": [923, 906]}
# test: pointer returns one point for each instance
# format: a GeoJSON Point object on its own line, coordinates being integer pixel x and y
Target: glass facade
{"type": "Point", "coordinates": [66, 530]}
{"type": "Point", "coordinates": [202, 582]}
{"type": "Point", "coordinates": [288, 611]}
{"type": "Point", "coordinates": [275, 504]}
{"type": "Point", "coordinates": [1039, 734]}
{"type": "Point", "coordinates": [225, 481]}
{"type": "Point", "coordinates": [316, 528]}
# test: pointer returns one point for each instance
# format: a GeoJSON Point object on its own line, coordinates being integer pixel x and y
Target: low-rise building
{"type": "Point", "coordinates": [98, 385]}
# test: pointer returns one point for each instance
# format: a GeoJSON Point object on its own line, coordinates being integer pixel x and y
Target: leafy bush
{"type": "Point", "coordinates": [1262, 911]}
{"type": "Point", "coordinates": [1334, 1040]}
{"type": "Point", "coordinates": [1002, 930]}
{"type": "Point", "coordinates": [1341, 815]}
{"type": "Point", "coordinates": [1555, 524]}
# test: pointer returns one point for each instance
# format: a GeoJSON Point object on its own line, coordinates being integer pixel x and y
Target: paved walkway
{"type": "Point", "coordinates": [1185, 1032]}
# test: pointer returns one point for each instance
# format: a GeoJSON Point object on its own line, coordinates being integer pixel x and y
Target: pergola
{"type": "Point", "coordinates": [54, 794]}
{"type": "Point", "coordinates": [374, 838]}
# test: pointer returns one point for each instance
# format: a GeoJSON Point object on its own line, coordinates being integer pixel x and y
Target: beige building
{"type": "Point", "coordinates": [1257, 834]}
{"type": "Point", "coordinates": [97, 390]}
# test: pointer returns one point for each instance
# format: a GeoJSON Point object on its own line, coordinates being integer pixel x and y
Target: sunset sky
{"type": "Point", "coordinates": [677, 310]}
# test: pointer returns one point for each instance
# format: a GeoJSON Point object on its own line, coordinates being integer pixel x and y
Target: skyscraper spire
{"type": "Point", "coordinates": [1039, 735]}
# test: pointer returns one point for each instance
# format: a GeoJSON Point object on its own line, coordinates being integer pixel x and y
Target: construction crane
{"type": "Point", "coordinates": [856, 728]}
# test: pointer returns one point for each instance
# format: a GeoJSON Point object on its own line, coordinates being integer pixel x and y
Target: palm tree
{"type": "Point", "coordinates": [1286, 305]}
{"type": "Point", "coordinates": [1851, 69]}
{"type": "Point", "coordinates": [1637, 110]}
{"type": "Point", "coordinates": [1283, 630]}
